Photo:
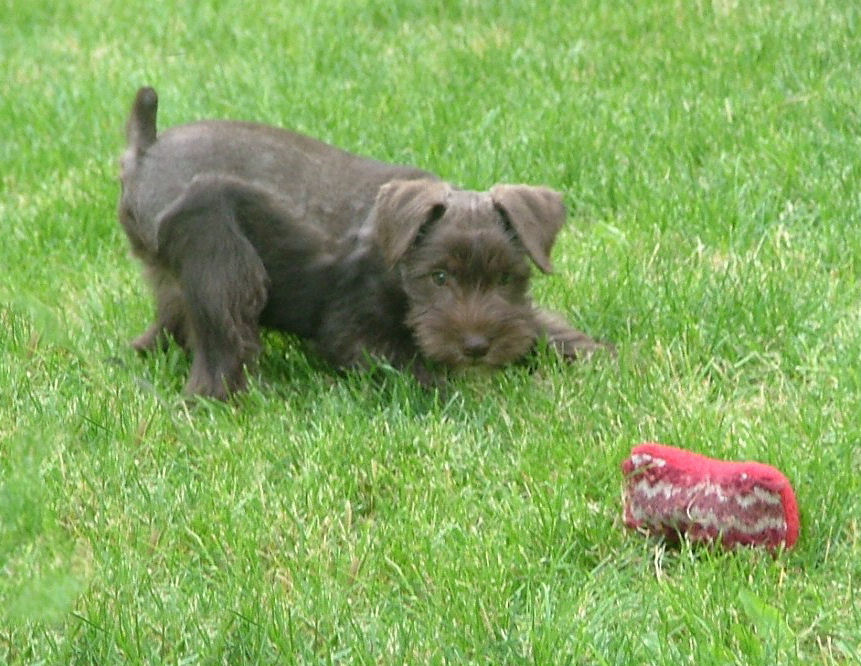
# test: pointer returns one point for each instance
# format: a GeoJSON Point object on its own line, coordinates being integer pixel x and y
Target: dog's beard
{"type": "Point", "coordinates": [442, 334]}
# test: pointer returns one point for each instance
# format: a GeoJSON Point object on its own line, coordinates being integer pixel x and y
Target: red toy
{"type": "Point", "coordinates": [670, 491]}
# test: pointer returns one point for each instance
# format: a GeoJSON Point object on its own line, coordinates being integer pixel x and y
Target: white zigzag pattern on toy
{"type": "Point", "coordinates": [704, 517]}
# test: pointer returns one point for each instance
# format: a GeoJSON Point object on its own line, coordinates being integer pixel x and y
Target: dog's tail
{"type": "Point", "coordinates": [141, 126]}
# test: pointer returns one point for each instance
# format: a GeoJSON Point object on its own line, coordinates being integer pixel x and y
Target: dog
{"type": "Point", "coordinates": [242, 226]}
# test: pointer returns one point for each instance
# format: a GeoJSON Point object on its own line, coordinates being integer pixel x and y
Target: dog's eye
{"type": "Point", "coordinates": [439, 278]}
{"type": "Point", "coordinates": [505, 279]}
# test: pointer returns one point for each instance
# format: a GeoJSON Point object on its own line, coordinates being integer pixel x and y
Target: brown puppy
{"type": "Point", "coordinates": [241, 226]}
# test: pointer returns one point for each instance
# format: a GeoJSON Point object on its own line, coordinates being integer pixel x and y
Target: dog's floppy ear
{"type": "Point", "coordinates": [536, 215]}
{"type": "Point", "coordinates": [402, 208]}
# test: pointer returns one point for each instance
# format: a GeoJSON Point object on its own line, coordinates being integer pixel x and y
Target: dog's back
{"type": "Point", "coordinates": [327, 186]}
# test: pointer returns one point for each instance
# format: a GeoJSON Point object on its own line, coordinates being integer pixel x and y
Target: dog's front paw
{"type": "Point", "coordinates": [566, 340]}
{"type": "Point", "coordinates": [579, 346]}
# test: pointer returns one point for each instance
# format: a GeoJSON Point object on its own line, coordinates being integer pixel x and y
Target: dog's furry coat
{"type": "Point", "coordinates": [242, 225]}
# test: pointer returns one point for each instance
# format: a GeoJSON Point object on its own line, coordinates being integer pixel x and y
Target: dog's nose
{"type": "Point", "coordinates": [475, 346]}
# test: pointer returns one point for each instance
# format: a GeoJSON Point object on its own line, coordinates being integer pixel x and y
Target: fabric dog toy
{"type": "Point", "coordinates": [671, 492]}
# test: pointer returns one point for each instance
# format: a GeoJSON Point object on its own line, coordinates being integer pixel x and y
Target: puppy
{"type": "Point", "coordinates": [241, 225]}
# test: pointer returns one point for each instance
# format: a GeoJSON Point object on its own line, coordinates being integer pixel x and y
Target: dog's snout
{"type": "Point", "coordinates": [475, 346]}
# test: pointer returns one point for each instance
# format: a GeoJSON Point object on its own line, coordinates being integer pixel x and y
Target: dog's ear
{"type": "Point", "coordinates": [535, 214]}
{"type": "Point", "coordinates": [402, 208]}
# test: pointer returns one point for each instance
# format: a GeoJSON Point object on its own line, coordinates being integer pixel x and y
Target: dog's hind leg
{"type": "Point", "coordinates": [223, 284]}
{"type": "Point", "coordinates": [170, 314]}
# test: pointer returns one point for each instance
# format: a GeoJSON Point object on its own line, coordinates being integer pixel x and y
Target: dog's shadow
{"type": "Point", "coordinates": [288, 367]}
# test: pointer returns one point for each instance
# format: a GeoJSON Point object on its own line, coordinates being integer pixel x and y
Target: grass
{"type": "Point", "coordinates": [709, 156]}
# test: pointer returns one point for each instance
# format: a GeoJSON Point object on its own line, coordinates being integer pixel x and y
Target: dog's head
{"type": "Point", "coordinates": [463, 258]}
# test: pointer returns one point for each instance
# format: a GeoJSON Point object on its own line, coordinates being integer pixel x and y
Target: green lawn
{"type": "Point", "coordinates": [710, 157]}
